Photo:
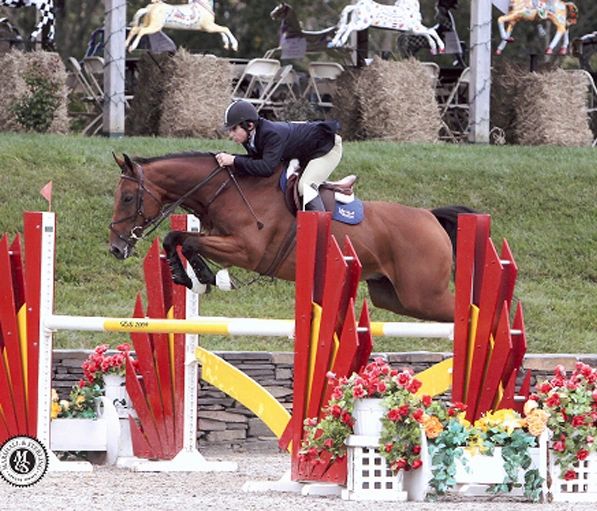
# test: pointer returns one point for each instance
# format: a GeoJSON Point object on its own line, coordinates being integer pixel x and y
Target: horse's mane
{"type": "Point", "coordinates": [172, 156]}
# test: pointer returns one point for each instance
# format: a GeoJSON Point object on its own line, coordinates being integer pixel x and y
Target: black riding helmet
{"type": "Point", "coordinates": [240, 112]}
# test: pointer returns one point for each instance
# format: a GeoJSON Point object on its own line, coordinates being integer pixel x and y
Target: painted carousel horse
{"type": "Point", "coordinates": [404, 15]}
{"type": "Point", "coordinates": [408, 45]}
{"type": "Point", "coordinates": [194, 15]}
{"type": "Point", "coordinates": [291, 27]}
{"type": "Point", "coordinates": [45, 26]}
{"type": "Point", "coordinates": [561, 14]}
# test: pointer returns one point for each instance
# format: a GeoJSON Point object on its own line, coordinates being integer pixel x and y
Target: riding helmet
{"type": "Point", "coordinates": [238, 112]}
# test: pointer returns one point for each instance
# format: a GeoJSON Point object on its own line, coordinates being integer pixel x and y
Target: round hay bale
{"type": "Point", "coordinates": [389, 100]}
{"type": "Point", "coordinates": [196, 96]}
{"type": "Point", "coordinates": [144, 115]}
{"type": "Point", "coordinates": [550, 108]}
{"type": "Point", "coordinates": [21, 73]}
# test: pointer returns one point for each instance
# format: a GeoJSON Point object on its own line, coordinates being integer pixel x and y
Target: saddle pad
{"type": "Point", "coordinates": [351, 213]}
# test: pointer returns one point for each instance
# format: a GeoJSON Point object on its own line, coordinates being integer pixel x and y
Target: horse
{"type": "Point", "coordinates": [291, 27]}
{"type": "Point", "coordinates": [561, 14]}
{"type": "Point", "coordinates": [46, 24]}
{"type": "Point", "coordinates": [404, 15]}
{"type": "Point", "coordinates": [406, 252]}
{"type": "Point", "coordinates": [194, 15]}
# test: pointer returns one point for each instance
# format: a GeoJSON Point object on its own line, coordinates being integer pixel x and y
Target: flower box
{"type": "Point", "coordinates": [581, 489]}
{"type": "Point", "coordinates": [369, 477]}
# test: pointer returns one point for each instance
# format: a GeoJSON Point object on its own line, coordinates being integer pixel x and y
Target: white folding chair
{"type": "Point", "coordinates": [321, 78]}
{"type": "Point", "coordinates": [93, 67]}
{"type": "Point", "coordinates": [455, 109]}
{"type": "Point", "coordinates": [90, 98]}
{"type": "Point", "coordinates": [256, 81]}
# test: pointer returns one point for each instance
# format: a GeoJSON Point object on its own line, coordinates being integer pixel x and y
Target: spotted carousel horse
{"type": "Point", "coordinates": [404, 15]}
{"type": "Point", "coordinates": [46, 24]}
{"type": "Point", "coordinates": [194, 15]}
{"type": "Point", "coordinates": [561, 14]}
{"type": "Point", "coordinates": [291, 27]}
{"type": "Point", "coordinates": [406, 253]}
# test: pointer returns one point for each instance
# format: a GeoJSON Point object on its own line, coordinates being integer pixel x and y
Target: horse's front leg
{"type": "Point", "coordinates": [561, 30]}
{"type": "Point", "coordinates": [173, 240]}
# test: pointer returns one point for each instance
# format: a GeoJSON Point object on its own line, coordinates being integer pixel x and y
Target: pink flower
{"type": "Point", "coordinates": [328, 443]}
{"type": "Point", "coordinates": [559, 446]}
{"type": "Point", "coordinates": [578, 420]}
{"type": "Point", "coordinates": [359, 392]}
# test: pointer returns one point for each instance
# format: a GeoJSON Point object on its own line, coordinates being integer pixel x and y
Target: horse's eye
{"type": "Point", "coordinates": [127, 199]}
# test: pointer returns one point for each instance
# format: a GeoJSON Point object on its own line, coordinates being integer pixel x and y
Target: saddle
{"type": "Point", "coordinates": [330, 192]}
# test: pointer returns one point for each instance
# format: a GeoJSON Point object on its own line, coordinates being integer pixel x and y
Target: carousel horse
{"type": "Point", "coordinates": [405, 252]}
{"type": "Point", "coordinates": [561, 14]}
{"type": "Point", "coordinates": [404, 15]}
{"type": "Point", "coordinates": [194, 15]}
{"type": "Point", "coordinates": [45, 26]}
{"type": "Point", "coordinates": [291, 27]}
{"type": "Point", "coordinates": [409, 45]}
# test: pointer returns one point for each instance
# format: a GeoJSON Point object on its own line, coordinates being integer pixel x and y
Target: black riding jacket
{"type": "Point", "coordinates": [277, 142]}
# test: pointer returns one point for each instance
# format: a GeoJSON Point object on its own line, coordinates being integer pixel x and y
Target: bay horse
{"type": "Point", "coordinates": [406, 253]}
{"type": "Point", "coordinates": [404, 15]}
{"type": "Point", "coordinates": [561, 14]}
{"type": "Point", "coordinates": [194, 15]}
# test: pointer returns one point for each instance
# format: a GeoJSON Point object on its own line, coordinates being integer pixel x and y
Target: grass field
{"type": "Point", "coordinates": [542, 199]}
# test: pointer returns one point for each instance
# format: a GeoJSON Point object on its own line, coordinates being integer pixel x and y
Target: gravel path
{"type": "Point", "coordinates": [118, 489]}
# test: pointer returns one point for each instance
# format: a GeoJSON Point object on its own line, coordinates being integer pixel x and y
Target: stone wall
{"type": "Point", "coordinates": [224, 421]}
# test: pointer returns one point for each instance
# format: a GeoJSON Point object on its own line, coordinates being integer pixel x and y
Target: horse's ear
{"type": "Point", "coordinates": [128, 165]}
{"type": "Point", "coordinates": [119, 161]}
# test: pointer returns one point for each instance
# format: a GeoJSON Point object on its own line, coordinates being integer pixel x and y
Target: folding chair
{"type": "Point", "coordinates": [433, 69]}
{"type": "Point", "coordinates": [90, 98]}
{"type": "Point", "coordinates": [321, 78]}
{"type": "Point", "coordinates": [281, 89]}
{"type": "Point", "coordinates": [93, 67]}
{"type": "Point", "coordinates": [455, 109]}
{"type": "Point", "coordinates": [256, 81]}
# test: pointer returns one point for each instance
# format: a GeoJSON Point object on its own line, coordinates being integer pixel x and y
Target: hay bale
{"type": "Point", "coordinates": [145, 113]}
{"type": "Point", "coordinates": [388, 100]}
{"type": "Point", "coordinates": [548, 108]}
{"type": "Point", "coordinates": [33, 80]}
{"type": "Point", "coordinates": [196, 96]}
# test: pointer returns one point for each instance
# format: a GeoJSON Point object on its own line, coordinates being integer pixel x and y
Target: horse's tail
{"type": "Point", "coordinates": [447, 216]}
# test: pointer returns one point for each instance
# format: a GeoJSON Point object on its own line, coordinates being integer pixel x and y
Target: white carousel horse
{"type": "Point", "coordinates": [46, 17]}
{"type": "Point", "coordinates": [561, 14]}
{"type": "Point", "coordinates": [404, 15]}
{"type": "Point", "coordinates": [194, 15]}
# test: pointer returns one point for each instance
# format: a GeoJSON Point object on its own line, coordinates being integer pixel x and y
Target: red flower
{"type": "Point", "coordinates": [414, 386]}
{"type": "Point", "coordinates": [394, 415]}
{"type": "Point", "coordinates": [336, 411]}
{"type": "Point", "coordinates": [403, 410]}
{"type": "Point", "coordinates": [569, 475]}
{"type": "Point", "coordinates": [545, 387]}
{"type": "Point", "coordinates": [416, 450]}
{"type": "Point", "coordinates": [328, 443]}
{"type": "Point", "coordinates": [559, 446]}
{"type": "Point", "coordinates": [416, 463]}
{"type": "Point", "coordinates": [427, 400]}
{"type": "Point", "coordinates": [553, 400]}
{"type": "Point", "coordinates": [388, 447]}
{"type": "Point", "coordinates": [418, 414]}
{"type": "Point", "coordinates": [582, 454]}
{"type": "Point", "coordinates": [347, 418]}
{"type": "Point", "coordinates": [578, 420]}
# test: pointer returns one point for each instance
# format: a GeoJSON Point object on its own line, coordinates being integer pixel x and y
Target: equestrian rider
{"type": "Point", "coordinates": [316, 145]}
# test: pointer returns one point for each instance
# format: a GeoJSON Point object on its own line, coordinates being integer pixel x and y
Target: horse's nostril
{"type": "Point", "coordinates": [116, 252]}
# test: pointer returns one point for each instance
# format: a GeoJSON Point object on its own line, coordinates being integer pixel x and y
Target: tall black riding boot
{"type": "Point", "coordinates": [315, 204]}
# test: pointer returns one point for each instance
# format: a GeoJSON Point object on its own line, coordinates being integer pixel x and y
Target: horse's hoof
{"type": "Point", "coordinates": [442, 51]}
{"type": "Point", "coordinates": [498, 52]}
{"type": "Point", "coordinates": [549, 51]}
{"type": "Point", "coordinates": [563, 51]}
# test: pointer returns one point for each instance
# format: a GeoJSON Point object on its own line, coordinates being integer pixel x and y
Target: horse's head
{"type": "Point", "coordinates": [136, 205]}
{"type": "Point", "coordinates": [280, 11]}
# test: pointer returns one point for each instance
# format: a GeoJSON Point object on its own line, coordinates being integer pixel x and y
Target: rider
{"type": "Point", "coordinates": [316, 145]}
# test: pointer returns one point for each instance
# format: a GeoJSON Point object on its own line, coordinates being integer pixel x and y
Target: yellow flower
{"type": "Point", "coordinates": [55, 410]}
{"type": "Point", "coordinates": [475, 446]}
{"type": "Point", "coordinates": [529, 406]}
{"type": "Point", "coordinates": [537, 421]}
{"type": "Point", "coordinates": [79, 401]}
{"type": "Point", "coordinates": [504, 419]}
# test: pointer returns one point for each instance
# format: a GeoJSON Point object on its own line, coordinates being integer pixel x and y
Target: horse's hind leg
{"type": "Point", "coordinates": [190, 249]}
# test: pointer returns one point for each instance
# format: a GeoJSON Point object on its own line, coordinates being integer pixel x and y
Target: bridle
{"type": "Point", "coordinates": [138, 232]}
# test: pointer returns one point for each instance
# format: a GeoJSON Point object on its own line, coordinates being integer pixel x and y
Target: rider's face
{"type": "Point", "coordinates": [238, 134]}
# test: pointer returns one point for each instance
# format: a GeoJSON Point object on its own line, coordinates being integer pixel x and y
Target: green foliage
{"type": "Point", "coordinates": [35, 110]}
{"type": "Point", "coordinates": [82, 402]}
{"type": "Point", "coordinates": [542, 199]}
{"type": "Point", "coordinates": [444, 451]}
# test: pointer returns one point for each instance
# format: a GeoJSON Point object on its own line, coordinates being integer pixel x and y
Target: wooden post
{"type": "Point", "coordinates": [480, 73]}
{"type": "Point", "coordinates": [114, 59]}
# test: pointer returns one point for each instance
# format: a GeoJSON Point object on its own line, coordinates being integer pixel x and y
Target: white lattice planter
{"type": "Point", "coordinates": [581, 489]}
{"type": "Point", "coordinates": [481, 470]}
{"type": "Point", "coordinates": [370, 478]}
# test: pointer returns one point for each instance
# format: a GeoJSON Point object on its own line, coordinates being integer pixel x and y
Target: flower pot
{"type": "Point", "coordinates": [581, 489]}
{"type": "Point", "coordinates": [115, 391]}
{"type": "Point", "coordinates": [367, 414]}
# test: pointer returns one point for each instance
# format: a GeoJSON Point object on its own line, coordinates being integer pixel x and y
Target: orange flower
{"type": "Point", "coordinates": [433, 426]}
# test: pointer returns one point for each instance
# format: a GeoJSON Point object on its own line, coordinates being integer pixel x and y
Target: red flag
{"type": "Point", "coordinates": [46, 193]}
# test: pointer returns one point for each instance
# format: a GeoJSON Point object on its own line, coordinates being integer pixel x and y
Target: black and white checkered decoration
{"type": "Point", "coordinates": [46, 13]}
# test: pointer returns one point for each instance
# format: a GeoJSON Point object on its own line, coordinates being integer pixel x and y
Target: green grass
{"type": "Point", "coordinates": [542, 199]}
